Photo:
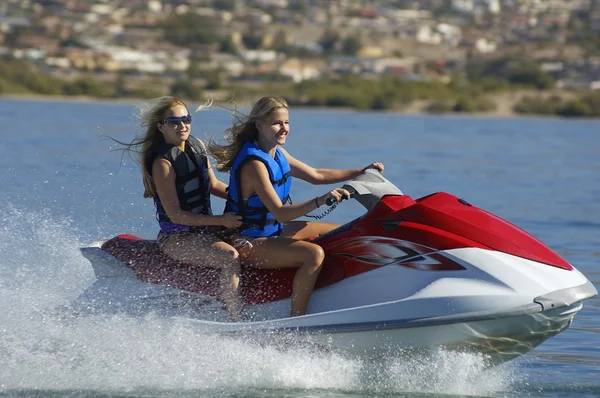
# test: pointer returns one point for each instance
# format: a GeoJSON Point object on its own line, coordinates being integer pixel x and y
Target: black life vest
{"type": "Point", "coordinates": [192, 181]}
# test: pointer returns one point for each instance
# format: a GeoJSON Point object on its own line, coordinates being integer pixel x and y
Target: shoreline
{"type": "Point", "coordinates": [505, 102]}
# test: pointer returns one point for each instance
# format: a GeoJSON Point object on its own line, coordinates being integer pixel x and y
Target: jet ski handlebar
{"type": "Point", "coordinates": [331, 201]}
{"type": "Point", "coordinates": [368, 188]}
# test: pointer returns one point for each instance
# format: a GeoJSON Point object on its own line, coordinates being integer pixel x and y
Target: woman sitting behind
{"type": "Point", "coordinates": [178, 176]}
{"type": "Point", "coordinates": [261, 172]}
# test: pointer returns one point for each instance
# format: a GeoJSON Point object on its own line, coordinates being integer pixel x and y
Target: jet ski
{"type": "Point", "coordinates": [408, 274]}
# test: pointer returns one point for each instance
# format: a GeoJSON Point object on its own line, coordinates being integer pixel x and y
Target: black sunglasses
{"type": "Point", "coordinates": [175, 121]}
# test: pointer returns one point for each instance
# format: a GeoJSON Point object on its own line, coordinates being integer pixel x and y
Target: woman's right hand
{"type": "Point", "coordinates": [231, 220]}
{"type": "Point", "coordinates": [336, 194]}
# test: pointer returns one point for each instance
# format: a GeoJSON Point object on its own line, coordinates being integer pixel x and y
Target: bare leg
{"type": "Point", "coordinates": [230, 279]}
{"type": "Point", "coordinates": [306, 229]}
{"type": "Point", "coordinates": [286, 253]}
{"type": "Point", "coordinates": [206, 251]}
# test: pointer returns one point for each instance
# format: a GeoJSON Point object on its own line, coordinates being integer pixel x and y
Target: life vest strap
{"type": "Point", "coordinates": [283, 179]}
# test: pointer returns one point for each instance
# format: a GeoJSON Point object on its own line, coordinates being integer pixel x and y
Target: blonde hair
{"type": "Point", "coordinates": [151, 113]}
{"type": "Point", "coordinates": [243, 130]}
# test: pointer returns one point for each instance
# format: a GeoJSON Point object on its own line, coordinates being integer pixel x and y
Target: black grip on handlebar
{"type": "Point", "coordinates": [331, 200]}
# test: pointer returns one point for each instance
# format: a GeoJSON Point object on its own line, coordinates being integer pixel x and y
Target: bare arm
{"type": "Point", "coordinates": [255, 179]}
{"type": "Point", "coordinates": [164, 180]}
{"type": "Point", "coordinates": [217, 187]}
{"type": "Point", "coordinates": [324, 176]}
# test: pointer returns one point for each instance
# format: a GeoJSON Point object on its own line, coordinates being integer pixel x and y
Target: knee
{"type": "Point", "coordinates": [230, 262]}
{"type": "Point", "coordinates": [315, 255]}
{"type": "Point", "coordinates": [231, 255]}
{"type": "Point", "coordinates": [227, 256]}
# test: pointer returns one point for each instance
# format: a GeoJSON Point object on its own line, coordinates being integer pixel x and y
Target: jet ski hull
{"type": "Point", "coordinates": [376, 328]}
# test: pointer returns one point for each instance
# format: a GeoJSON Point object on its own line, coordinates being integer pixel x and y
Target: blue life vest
{"type": "Point", "coordinates": [192, 181]}
{"type": "Point", "coordinates": [257, 220]}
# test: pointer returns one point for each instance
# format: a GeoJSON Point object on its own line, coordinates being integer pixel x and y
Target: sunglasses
{"type": "Point", "coordinates": [175, 121]}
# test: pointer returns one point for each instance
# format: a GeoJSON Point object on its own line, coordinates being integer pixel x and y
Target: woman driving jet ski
{"type": "Point", "coordinates": [260, 177]}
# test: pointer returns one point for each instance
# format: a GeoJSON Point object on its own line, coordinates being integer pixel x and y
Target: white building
{"type": "Point", "coordinates": [471, 6]}
{"type": "Point", "coordinates": [150, 62]}
{"type": "Point", "coordinates": [259, 56]}
{"type": "Point", "coordinates": [298, 70]}
{"type": "Point", "coordinates": [272, 3]}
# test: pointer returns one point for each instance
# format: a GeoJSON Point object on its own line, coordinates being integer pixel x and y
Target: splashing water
{"type": "Point", "coordinates": [40, 264]}
{"type": "Point", "coordinates": [41, 269]}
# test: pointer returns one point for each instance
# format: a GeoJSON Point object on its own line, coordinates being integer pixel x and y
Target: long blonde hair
{"type": "Point", "coordinates": [243, 130]}
{"type": "Point", "coordinates": [151, 113]}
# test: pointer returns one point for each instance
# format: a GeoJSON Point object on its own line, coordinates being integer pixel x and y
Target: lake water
{"type": "Point", "coordinates": [63, 188]}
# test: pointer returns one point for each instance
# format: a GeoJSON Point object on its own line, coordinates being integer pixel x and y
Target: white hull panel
{"type": "Point", "coordinates": [501, 339]}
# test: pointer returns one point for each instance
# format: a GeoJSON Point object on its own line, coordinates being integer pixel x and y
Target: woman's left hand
{"type": "Point", "coordinates": [375, 165]}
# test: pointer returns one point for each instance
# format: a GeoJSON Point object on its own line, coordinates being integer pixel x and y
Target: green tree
{"type": "Point", "coordinates": [227, 5]}
{"type": "Point", "coordinates": [190, 28]}
{"type": "Point", "coordinates": [44, 84]}
{"type": "Point", "coordinates": [193, 70]}
{"type": "Point", "coordinates": [299, 7]}
{"type": "Point", "coordinates": [186, 89]}
{"type": "Point", "coordinates": [280, 43]}
{"type": "Point", "coordinates": [86, 85]}
{"type": "Point", "coordinates": [147, 92]}
{"type": "Point", "coordinates": [439, 107]}
{"type": "Point", "coordinates": [120, 89]}
{"type": "Point", "coordinates": [471, 104]}
{"type": "Point", "coordinates": [531, 75]}
{"type": "Point", "coordinates": [329, 41]}
{"type": "Point", "coordinates": [381, 102]}
{"type": "Point", "coordinates": [465, 104]}
{"type": "Point", "coordinates": [253, 40]}
{"type": "Point", "coordinates": [577, 107]}
{"type": "Point", "coordinates": [213, 79]}
{"type": "Point", "coordinates": [12, 38]}
{"type": "Point", "coordinates": [489, 73]}
{"type": "Point", "coordinates": [593, 101]}
{"type": "Point", "coordinates": [228, 46]}
{"type": "Point", "coordinates": [351, 45]}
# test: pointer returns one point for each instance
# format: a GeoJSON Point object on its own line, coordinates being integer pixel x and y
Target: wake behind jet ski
{"type": "Point", "coordinates": [430, 272]}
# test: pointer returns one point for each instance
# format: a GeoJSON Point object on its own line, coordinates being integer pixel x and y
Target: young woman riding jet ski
{"type": "Point", "coordinates": [260, 177]}
{"type": "Point", "coordinates": [177, 174]}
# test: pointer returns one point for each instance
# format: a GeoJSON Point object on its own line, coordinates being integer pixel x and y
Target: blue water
{"type": "Point", "coordinates": [62, 188]}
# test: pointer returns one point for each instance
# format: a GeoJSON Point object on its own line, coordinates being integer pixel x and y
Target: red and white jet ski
{"type": "Point", "coordinates": [435, 271]}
